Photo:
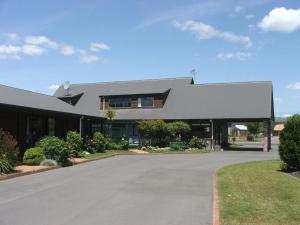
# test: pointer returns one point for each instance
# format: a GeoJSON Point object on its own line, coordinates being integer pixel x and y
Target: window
{"type": "Point", "coordinates": [120, 102]}
{"type": "Point", "coordinates": [146, 102]}
{"type": "Point", "coordinates": [51, 126]}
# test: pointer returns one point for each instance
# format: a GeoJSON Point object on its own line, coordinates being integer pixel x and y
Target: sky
{"type": "Point", "coordinates": [45, 43]}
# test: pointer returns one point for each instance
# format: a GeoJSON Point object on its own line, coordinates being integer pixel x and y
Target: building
{"type": "Point", "coordinates": [28, 116]}
{"type": "Point", "coordinates": [208, 108]}
{"type": "Point", "coordinates": [278, 129]}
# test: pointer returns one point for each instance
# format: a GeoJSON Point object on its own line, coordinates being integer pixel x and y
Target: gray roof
{"type": "Point", "coordinates": [186, 100]}
{"type": "Point", "coordinates": [23, 98]}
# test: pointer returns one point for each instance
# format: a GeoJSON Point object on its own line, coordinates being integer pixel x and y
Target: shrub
{"type": "Point", "coordinates": [8, 147]}
{"type": "Point", "coordinates": [114, 146]}
{"type": "Point", "coordinates": [5, 167]}
{"type": "Point", "coordinates": [196, 142]}
{"type": "Point", "coordinates": [177, 145]}
{"type": "Point", "coordinates": [48, 162]}
{"type": "Point", "coordinates": [289, 148]}
{"type": "Point", "coordinates": [179, 129]}
{"type": "Point", "coordinates": [54, 148]}
{"type": "Point", "coordinates": [33, 156]}
{"type": "Point", "coordinates": [100, 141]}
{"type": "Point", "coordinates": [74, 143]}
{"type": "Point", "coordinates": [155, 130]}
{"type": "Point", "coordinates": [97, 144]}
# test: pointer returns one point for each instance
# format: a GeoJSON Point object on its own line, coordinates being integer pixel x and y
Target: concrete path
{"type": "Point", "coordinates": [123, 190]}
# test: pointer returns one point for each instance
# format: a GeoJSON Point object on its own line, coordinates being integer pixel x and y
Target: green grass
{"type": "Point", "coordinates": [257, 193]}
{"type": "Point", "coordinates": [106, 154]}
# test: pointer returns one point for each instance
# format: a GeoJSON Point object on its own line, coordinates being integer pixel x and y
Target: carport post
{"type": "Point", "coordinates": [212, 135]}
{"type": "Point", "coordinates": [267, 135]}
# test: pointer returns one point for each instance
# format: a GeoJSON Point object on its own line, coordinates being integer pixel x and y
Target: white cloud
{"type": "Point", "coordinates": [281, 20]}
{"type": "Point", "coordinates": [12, 36]}
{"type": "Point", "coordinates": [32, 50]}
{"type": "Point", "coordinates": [10, 50]}
{"type": "Point", "coordinates": [294, 86]}
{"type": "Point", "coordinates": [95, 47]}
{"type": "Point", "coordinates": [205, 31]}
{"type": "Point", "coordinates": [89, 58]}
{"type": "Point", "coordinates": [67, 50]}
{"type": "Point", "coordinates": [53, 87]}
{"type": "Point", "coordinates": [234, 55]}
{"type": "Point", "coordinates": [37, 45]}
{"type": "Point", "coordinates": [14, 51]}
{"type": "Point", "coordinates": [40, 40]}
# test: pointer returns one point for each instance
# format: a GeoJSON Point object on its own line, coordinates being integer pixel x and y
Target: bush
{"type": "Point", "coordinates": [114, 146]}
{"type": "Point", "coordinates": [33, 156]}
{"type": "Point", "coordinates": [177, 145]}
{"type": "Point", "coordinates": [289, 148]}
{"type": "Point", "coordinates": [8, 147]}
{"type": "Point", "coordinates": [5, 167]}
{"type": "Point", "coordinates": [196, 142]}
{"type": "Point", "coordinates": [48, 162]}
{"type": "Point", "coordinates": [154, 130]}
{"type": "Point", "coordinates": [122, 145]}
{"type": "Point", "coordinates": [74, 143]}
{"type": "Point", "coordinates": [55, 148]}
{"type": "Point", "coordinates": [179, 129]}
{"type": "Point", "coordinates": [100, 141]}
{"type": "Point", "coordinates": [97, 144]}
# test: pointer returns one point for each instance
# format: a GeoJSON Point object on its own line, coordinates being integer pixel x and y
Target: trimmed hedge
{"type": "Point", "coordinates": [33, 156]}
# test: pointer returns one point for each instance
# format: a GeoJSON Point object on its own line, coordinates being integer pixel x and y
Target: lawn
{"type": "Point", "coordinates": [106, 154]}
{"type": "Point", "coordinates": [257, 193]}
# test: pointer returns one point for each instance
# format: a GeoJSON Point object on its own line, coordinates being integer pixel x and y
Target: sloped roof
{"type": "Point", "coordinates": [279, 127]}
{"type": "Point", "coordinates": [23, 98]}
{"type": "Point", "coordinates": [186, 100]}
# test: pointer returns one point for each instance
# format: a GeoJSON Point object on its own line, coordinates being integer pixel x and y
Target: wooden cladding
{"type": "Point", "coordinates": [159, 100]}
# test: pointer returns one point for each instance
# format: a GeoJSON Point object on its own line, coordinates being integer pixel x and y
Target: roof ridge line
{"type": "Point", "coordinates": [225, 83]}
{"type": "Point", "coordinates": [132, 81]}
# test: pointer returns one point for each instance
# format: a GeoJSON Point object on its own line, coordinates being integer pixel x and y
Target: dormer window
{"type": "Point", "coordinates": [120, 102]}
{"type": "Point", "coordinates": [145, 102]}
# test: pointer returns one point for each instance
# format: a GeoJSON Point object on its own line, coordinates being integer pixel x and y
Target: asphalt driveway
{"type": "Point", "coordinates": [123, 190]}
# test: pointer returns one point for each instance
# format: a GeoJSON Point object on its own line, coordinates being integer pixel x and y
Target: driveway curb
{"type": "Point", "coordinates": [216, 207]}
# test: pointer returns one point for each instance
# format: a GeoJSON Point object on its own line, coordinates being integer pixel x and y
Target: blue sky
{"type": "Point", "coordinates": [45, 43]}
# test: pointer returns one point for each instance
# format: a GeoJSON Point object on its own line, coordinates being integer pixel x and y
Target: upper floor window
{"type": "Point", "coordinates": [146, 102]}
{"type": "Point", "coordinates": [120, 102]}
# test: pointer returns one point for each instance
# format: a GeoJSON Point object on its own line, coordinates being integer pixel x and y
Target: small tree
{"type": "Point", "coordinates": [254, 128]}
{"type": "Point", "coordinates": [289, 148]}
{"type": "Point", "coordinates": [154, 130]}
{"type": "Point", "coordinates": [74, 143]}
{"type": "Point", "coordinates": [179, 129]}
{"type": "Point", "coordinates": [8, 147]}
{"type": "Point", "coordinates": [110, 114]}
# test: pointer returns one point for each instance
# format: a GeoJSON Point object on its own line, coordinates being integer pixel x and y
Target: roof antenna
{"type": "Point", "coordinates": [67, 88]}
{"type": "Point", "coordinates": [194, 73]}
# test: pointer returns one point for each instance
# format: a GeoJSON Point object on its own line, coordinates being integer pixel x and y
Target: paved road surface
{"type": "Point", "coordinates": [123, 190]}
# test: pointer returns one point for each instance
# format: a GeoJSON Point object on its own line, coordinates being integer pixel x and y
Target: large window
{"type": "Point", "coordinates": [120, 102]}
{"type": "Point", "coordinates": [146, 102]}
{"type": "Point", "coordinates": [51, 126]}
